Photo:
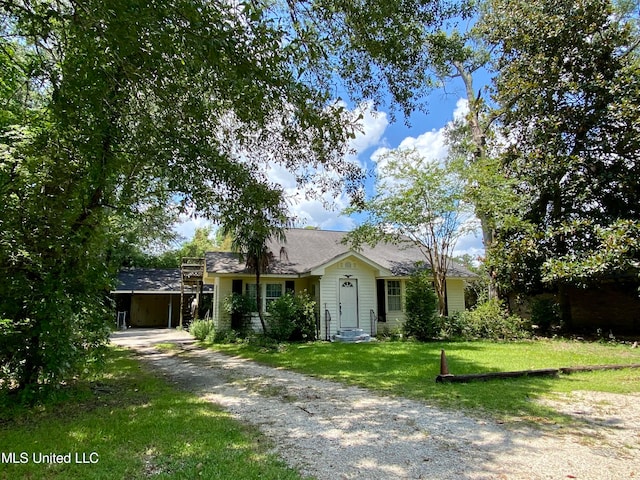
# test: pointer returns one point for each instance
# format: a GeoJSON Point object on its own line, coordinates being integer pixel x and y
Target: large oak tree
{"type": "Point", "coordinates": [111, 111]}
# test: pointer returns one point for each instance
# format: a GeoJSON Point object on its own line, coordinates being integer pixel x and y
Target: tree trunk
{"type": "Point", "coordinates": [478, 137]}
{"type": "Point", "coordinates": [32, 365]}
{"type": "Point", "coordinates": [259, 301]}
{"type": "Point", "coordinates": [440, 288]}
{"type": "Point", "coordinates": [488, 239]}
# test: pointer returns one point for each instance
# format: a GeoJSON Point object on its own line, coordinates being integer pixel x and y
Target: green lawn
{"type": "Point", "coordinates": [409, 369]}
{"type": "Point", "coordinates": [132, 425]}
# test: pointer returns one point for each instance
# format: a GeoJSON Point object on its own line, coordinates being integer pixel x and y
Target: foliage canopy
{"type": "Point", "coordinates": [110, 113]}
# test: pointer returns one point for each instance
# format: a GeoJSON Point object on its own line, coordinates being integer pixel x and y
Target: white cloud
{"type": "Point", "coordinates": [430, 145]}
{"type": "Point", "coordinates": [187, 226]}
{"type": "Point", "coordinates": [313, 213]}
{"type": "Point", "coordinates": [470, 244]}
{"type": "Point", "coordinates": [324, 212]}
{"type": "Point", "coordinates": [373, 125]}
{"type": "Point", "coordinates": [462, 109]}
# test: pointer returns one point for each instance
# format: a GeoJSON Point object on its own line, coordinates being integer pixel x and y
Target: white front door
{"type": "Point", "coordinates": [348, 303]}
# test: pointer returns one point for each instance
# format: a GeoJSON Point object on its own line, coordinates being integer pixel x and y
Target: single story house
{"type": "Point", "coordinates": [362, 289]}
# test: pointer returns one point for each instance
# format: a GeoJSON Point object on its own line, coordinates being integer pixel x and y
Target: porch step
{"type": "Point", "coordinates": [352, 335]}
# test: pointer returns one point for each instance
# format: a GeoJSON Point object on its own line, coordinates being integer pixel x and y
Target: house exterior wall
{"type": "Point", "coordinates": [215, 302]}
{"type": "Point", "coordinates": [329, 294]}
{"type": "Point", "coordinates": [222, 319]}
{"type": "Point", "coordinates": [325, 290]}
{"type": "Point", "coordinates": [395, 318]}
{"type": "Point", "coordinates": [224, 288]}
{"type": "Point", "coordinates": [455, 295]}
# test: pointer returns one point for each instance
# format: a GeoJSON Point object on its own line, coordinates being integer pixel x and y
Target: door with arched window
{"type": "Point", "coordinates": [348, 303]}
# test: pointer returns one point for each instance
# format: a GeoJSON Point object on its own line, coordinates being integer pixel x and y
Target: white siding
{"type": "Point", "coordinates": [215, 302]}
{"type": "Point", "coordinates": [224, 290]}
{"type": "Point", "coordinates": [455, 295]}
{"type": "Point", "coordinates": [326, 289]}
{"type": "Point", "coordinates": [329, 293]}
{"type": "Point", "coordinates": [455, 303]}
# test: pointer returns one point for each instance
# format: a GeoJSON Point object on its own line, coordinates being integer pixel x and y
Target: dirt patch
{"type": "Point", "coordinates": [602, 420]}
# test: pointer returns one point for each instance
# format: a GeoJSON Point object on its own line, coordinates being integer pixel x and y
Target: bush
{"type": "Point", "coordinates": [202, 329]}
{"type": "Point", "coordinates": [545, 313]}
{"type": "Point", "coordinates": [292, 317]}
{"type": "Point", "coordinates": [455, 327]}
{"type": "Point", "coordinates": [240, 308]}
{"type": "Point", "coordinates": [421, 307]}
{"type": "Point", "coordinates": [389, 334]}
{"type": "Point", "coordinates": [491, 320]}
{"type": "Point", "coordinates": [225, 336]}
{"type": "Point", "coordinates": [280, 322]}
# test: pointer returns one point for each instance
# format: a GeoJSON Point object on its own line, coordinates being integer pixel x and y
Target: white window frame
{"type": "Point", "coordinates": [270, 298]}
{"type": "Point", "coordinates": [250, 289]}
{"type": "Point", "coordinates": [397, 297]}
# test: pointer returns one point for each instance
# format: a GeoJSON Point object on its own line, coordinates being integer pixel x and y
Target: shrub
{"type": "Point", "coordinates": [491, 320]}
{"type": "Point", "coordinates": [292, 317]}
{"type": "Point", "coordinates": [455, 327]}
{"type": "Point", "coordinates": [280, 322]}
{"type": "Point", "coordinates": [421, 306]}
{"type": "Point", "coordinates": [545, 313]}
{"type": "Point", "coordinates": [202, 329]}
{"type": "Point", "coordinates": [240, 307]}
{"type": "Point", "coordinates": [225, 336]}
{"type": "Point", "coordinates": [389, 334]}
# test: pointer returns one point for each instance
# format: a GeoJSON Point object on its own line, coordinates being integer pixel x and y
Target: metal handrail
{"type": "Point", "coordinates": [327, 324]}
{"type": "Point", "coordinates": [374, 322]}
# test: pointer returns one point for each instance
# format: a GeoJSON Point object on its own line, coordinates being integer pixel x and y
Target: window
{"type": "Point", "coordinates": [251, 290]}
{"type": "Point", "coordinates": [270, 292]}
{"type": "Point", "coordinates": [274, 290]}
{"type": "Point", "coordinates": [393, 295]}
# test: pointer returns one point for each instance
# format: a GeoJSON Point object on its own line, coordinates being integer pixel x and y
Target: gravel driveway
{"type": "Point", "coordinates": [330, 431]}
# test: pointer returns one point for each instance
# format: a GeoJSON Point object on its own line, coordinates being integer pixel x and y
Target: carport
{"type": "Point", "coordinates": [150, 297]}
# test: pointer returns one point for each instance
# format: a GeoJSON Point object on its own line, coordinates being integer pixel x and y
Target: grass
{"type": "Point", "coordinates": [409, 369]}
{"type": "Point", "coordinates": [132, 425]}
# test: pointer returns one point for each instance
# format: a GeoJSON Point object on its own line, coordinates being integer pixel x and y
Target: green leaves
{"type": "Point", "coordinates": [564, 86]}
{"type": "Point", "coordinates": [113, 111]}
{"type": "Point", "coordinates": [421, 203]}
{"type": "Point", "coordinates": [613, 250]}
{"type": "Point", "coordinates": [421, 304]}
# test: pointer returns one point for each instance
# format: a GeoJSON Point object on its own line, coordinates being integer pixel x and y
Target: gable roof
{"type": "Point", "coordinates": [306, 250]}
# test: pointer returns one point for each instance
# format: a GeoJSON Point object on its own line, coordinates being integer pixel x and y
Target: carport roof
{"type": "Point", "coordinates": [149, 280]}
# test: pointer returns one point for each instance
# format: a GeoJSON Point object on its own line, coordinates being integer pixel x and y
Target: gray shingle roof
{"type": "Point", "coordinates": [305, 250]}
{"type": "Point", "coordinates": [161, 280]}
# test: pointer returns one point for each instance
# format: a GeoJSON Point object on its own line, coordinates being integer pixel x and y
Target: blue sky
{"type": "Point", "coordinates": [424, 132]}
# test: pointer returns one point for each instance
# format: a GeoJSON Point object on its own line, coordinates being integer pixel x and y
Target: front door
{"type": "Point", "coordinates": [348, 303]}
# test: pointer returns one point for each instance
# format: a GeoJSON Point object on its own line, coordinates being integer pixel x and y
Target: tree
{"type": "Point", "coordinates": [460, 55]}
{"type": "Point", "coordinates": [260, 219]}
{"type": "Point", "coordinates": [418, 203]}
{"type": "Point", "coordinates": [421, 307]}
{"type": "Point", "coordinates": [402, 51]}
{"type": "Point", "coordinates": [377, 48]}
{"type": "Point", "coordinates": [115, 109]}
{"type": "Point", "coordinates": [568, 84]}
